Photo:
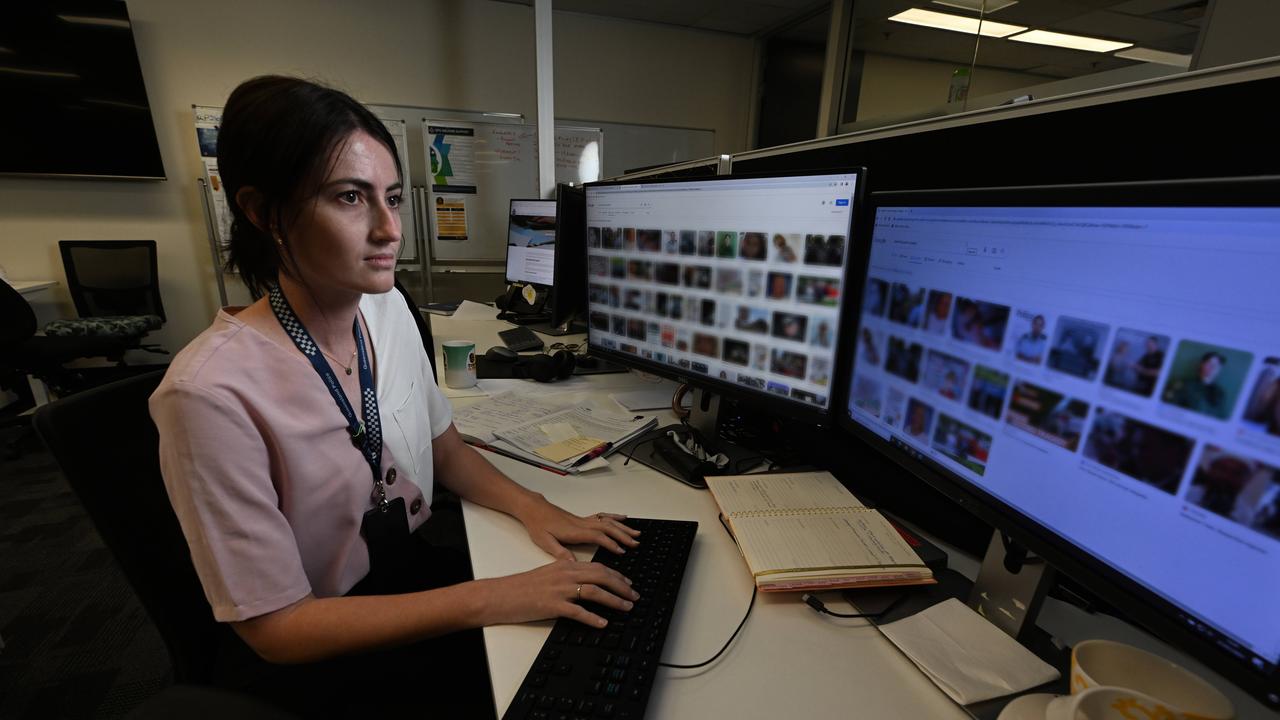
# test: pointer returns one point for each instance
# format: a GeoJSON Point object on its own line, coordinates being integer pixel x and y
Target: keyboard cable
{"type": "Point", "coordinates": [752, 604]}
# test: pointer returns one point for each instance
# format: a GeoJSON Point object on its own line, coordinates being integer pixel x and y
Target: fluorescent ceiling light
{"type": "Point", "coordinates": [93, 20]}
{"type": "Point", "coordinates": [977, 5]}
{"type": "Point", "coordinates": [1158, 57]}
{"type": "Point", "coordinates": [955, 23]}
{"type": "Point", "coordinates": [1072, 42]}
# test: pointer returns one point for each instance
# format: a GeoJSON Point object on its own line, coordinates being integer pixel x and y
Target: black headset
{"type": "Point", "coordinates": [544, 368]}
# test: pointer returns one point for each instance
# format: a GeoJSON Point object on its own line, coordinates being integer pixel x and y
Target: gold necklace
{"type": "Point", "coordinates": [348, 365]}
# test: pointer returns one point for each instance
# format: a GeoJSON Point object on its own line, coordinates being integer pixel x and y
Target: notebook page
{"type": "Point", "coordinates": [817, 542]}
{"type": "Point", "coordinates": [780, 491]}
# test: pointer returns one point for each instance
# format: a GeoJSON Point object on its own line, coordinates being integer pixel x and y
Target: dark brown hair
{"type": "Point", "coordinates": [278, 136]}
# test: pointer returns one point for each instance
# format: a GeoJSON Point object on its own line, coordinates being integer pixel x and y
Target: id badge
{"type": "Point", "coordinates": [387, 535]}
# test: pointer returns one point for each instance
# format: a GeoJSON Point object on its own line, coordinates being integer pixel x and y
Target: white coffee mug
{"type": "Point", "coordinates": [459, 363]}
{"type": "Point", "coordinates": [1103, 663]}
{"type": "Point", "coordinates": [1111, 703]}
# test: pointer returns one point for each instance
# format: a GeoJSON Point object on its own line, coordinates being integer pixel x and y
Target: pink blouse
{"type": "Point", "coordinates": [266, 484]}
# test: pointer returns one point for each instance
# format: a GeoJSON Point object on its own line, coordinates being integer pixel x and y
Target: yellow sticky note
{"type": "Point", "coordinates": [565, 449]}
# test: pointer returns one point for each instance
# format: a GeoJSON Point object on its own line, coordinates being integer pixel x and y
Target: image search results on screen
{"type": "Point", "coordinates": [1072, 382]}
{"type": "Point", "coordinates": [740, 280]}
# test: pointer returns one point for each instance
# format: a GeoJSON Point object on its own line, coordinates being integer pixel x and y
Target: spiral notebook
{"type": "Point", "coordinates": [805, 531]}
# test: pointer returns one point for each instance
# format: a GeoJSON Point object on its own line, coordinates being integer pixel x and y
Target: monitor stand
{"type": "Point", "coordinates": [568, 327]}
{"type": "Point", "coordinates": [705, 418]}
{"type": "Point", "coordinates": [1008, 592]}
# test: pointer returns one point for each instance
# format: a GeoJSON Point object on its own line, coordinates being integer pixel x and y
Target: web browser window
{"type": "Point", "coordinates": [531, 242]}
{"type": "Point", "coordinates": [1112, 373]}
{"type": "Point", "coordinates": [739, 280]}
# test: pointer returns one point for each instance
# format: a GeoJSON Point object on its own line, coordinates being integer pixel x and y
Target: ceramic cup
{"type": "Point", "coordinates": [459, 363]}
{"type": "Point", "coordinates": [1111, 703]}
{"type": "Point", "coordinates": [1103, 663]}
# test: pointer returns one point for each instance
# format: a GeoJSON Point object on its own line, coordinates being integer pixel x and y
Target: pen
{"type": "Point", "coordinates": [592, 454]}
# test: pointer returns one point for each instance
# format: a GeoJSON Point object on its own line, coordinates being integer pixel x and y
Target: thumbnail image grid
{"type": "Point", "coordinates": [753, 308]}
{"type": "Point", "coordinates": [909, 335]}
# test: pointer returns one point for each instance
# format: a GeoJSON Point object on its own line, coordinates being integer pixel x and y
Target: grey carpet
{"type": "Point", "coordinates": [77, 642]}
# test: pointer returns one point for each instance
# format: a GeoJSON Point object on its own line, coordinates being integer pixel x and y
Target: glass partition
{"type": "Point", "coordinates": [915, 59]}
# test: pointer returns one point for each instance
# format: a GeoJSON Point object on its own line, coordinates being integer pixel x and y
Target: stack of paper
{"type": "Point", "coordinates": [543, 432]}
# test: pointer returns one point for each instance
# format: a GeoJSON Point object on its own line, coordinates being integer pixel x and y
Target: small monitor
{"type": "Point", "coordinates": [734, 284]}
{"type": "Point", "coordinates": [1095, 370]}
{"type": "Point", "coordinates": [531, 242]}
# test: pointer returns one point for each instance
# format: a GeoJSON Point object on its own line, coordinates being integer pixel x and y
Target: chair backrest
{"type": "Point", "coordinates": [112, 277]}
{"type": "Point", "coordinates": [424, 328]}
{"type": "Point", "coordinates": [108, 449]}
{"type": "Point", "coordinates": [17, 319]}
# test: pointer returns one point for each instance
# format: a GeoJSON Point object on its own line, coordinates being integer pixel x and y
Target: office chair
{"type": "Point", "coordinates": [116, 290]}
{"type": "Point", "coordinates": [424, 328]}
{"type": "Point", "coordinates": [23, 354]}
{"type": "Point", "coordinates": [108, 449]}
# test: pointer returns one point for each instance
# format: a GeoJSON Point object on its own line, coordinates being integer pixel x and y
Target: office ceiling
{"type": "Point", "coordinates": [1167, 25]}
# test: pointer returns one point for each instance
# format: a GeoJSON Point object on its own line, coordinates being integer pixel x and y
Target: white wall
{"type": "Point", "coordinates": [465, 54]}
{"type": "Point", "coordinates": [900, 87]}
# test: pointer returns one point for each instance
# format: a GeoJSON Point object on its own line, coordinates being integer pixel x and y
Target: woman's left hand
{"type": "Point", "coordinates": [551, 528]}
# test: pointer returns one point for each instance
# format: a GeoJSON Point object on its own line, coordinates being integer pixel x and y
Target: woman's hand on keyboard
{"type": "Point", "coordinates": [551, 528]}
{"type": "Point", "coordinates": [556, 590]}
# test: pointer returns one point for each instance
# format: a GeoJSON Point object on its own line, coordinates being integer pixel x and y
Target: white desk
{"type": "Point", "coordinates": [788, 661]}
{"type": "Point", "coordinates": [30, 287]}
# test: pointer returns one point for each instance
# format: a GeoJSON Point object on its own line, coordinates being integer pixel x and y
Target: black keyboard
{"type": "Point", "coordinates": [520, 339]}
{"type": "Point", "coordinates": [586, 672]}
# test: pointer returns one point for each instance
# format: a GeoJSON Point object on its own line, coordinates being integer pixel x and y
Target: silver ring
{"type": "Point", "coordinates": [578, 593]}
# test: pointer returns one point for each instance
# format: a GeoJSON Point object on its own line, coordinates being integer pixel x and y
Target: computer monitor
{"type": "Point", "coordinates": [1096, 372]}
{"type": "Point", "coordinates": [531, 242]}
{"type": "Point", "coordinates": [733, 284]}
{"type": "Point", "coordinates": [568, 297]}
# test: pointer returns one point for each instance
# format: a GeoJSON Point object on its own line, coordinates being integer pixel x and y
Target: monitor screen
{"type": "Point", "coordinates": [74, 93]}
{"type": "Point", "coordinates": [531, 242]}
{"type": "Point", "coordinates": [736, 282]}
{"type": "Point", "coordinates": [1108, 376]}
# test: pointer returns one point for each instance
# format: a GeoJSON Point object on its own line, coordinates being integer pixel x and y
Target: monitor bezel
{"type": "Point", "coordinates": [1138, 603]}
{"type": "Point", "coordinates": [506, 263]}
{"type": "Point", "coordinates": [559, 313]}
{"type": "Point", "coordinates": [792, 409]}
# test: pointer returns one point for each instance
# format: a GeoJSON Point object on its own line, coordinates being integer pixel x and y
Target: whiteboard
{"type": "Point", "coordinates": [475, 169]}
{"type": "Point", "coordinates": [633, 146]}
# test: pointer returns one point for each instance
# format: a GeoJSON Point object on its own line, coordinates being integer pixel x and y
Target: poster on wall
{"type": "Point", "coordinates": [451, 163]}
{"type": "Point", "coordinates": [208, 119]}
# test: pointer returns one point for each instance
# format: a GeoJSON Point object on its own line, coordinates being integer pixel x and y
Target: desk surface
{"type": "Point", "coordinates": [26, 287]}
{"type": "Point", "coordinates": [787, 661]}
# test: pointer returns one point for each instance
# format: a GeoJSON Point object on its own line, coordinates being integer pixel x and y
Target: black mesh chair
{"type": "Point", "coordinates": [114, 468]}
{"type": "Point", "coordinates": [116, 290]}
{"type": "Point", "coordinates": [424, 327]}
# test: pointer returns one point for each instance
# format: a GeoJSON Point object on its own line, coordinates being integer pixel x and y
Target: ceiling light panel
{"type": "Point", "coordinates": [956, 23]}
{"type": "Point", "coordinates": [1071, 42]}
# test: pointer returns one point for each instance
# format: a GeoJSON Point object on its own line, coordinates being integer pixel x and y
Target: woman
{"type": "Point", "coordinates": [300, 438]}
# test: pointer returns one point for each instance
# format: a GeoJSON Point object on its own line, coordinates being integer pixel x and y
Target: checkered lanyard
{"type": "Point", "coordinates": [367, 435]}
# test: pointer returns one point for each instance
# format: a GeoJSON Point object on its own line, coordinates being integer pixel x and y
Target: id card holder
{"type": "Point", "coordinates": [387, 535]}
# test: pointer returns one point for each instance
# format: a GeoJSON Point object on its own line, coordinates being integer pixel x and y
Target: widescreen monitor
{"type": "Point", "coordinates": [735, 284]}
{"type": "Point", "coordinates": [1095, 370]}
{"type": "Point", "coordinates": [531, 242]}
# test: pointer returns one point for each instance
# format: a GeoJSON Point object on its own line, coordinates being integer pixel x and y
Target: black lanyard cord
{"type": "Point", "coordinates": [367, 435]}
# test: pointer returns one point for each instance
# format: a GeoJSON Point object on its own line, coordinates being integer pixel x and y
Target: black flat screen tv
{"type": "Point", "coordinates": [75, 103]}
